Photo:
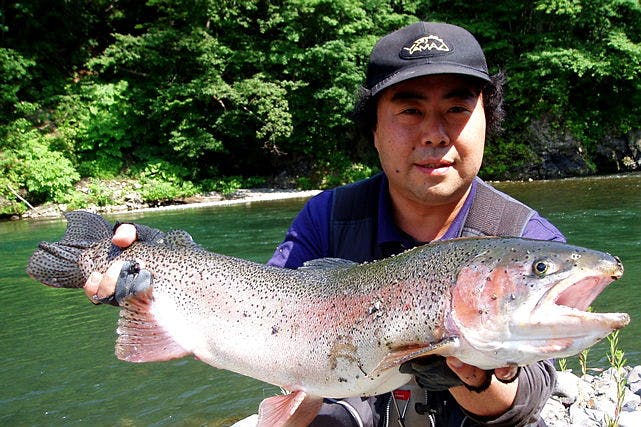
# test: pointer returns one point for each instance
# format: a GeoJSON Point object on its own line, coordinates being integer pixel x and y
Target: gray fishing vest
{"type": "Point", "coordinates": [354, 219]}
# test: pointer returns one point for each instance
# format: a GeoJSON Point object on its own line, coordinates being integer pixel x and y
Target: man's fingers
{"type": "Point", "coordinates": [124, 235]}
{"type": "Point", "coordinates": [475, 377]}
{"type": "Point", "coordinates": [108, 283]}
{"type": "Point", "coordinates": [507, 373]}
{"type": "Point", "coordinates": [469, 374]}
{"type": "Point", "coordinates": [100, 286]}
{"type": "Point", "coordinates": [91, 286]}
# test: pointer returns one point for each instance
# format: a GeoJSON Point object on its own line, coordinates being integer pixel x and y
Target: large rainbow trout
{"type": "Point", "coordinates": [334, 328]}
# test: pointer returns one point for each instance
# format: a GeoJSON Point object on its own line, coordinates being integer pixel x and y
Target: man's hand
{"type": "Point", "coordinates": [477, 377]}
{"type": "Point", "coordinates": [496, 399]}
{"type": "Point", "coordinates": [100, 286]}
{"type": "Point", "coordinates": [436, 373]}
{"type": "Point", "coordinates": [124, 235]}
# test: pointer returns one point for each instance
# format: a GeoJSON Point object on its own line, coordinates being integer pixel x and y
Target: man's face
{"type": "Point", "coordinates": [430, 136]}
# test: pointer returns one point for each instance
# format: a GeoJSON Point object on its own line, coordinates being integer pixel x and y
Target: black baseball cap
{"type": "Point", "coordinates": [422, 49]}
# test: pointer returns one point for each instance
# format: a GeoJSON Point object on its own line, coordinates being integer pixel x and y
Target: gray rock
{"type": "Point", "coordinates": [586, 417]}
{"type": "Point", "coordinates": [630, 419]}
{"type": "Point", "coordinates": [567, 387]}
{"type": "Point", "coordinates": [592, 400]}
{"type": "Point", "coordinates": [559, 153]}
{"type": "Point", "coordinates": [555, 413]}
{"type": "Point", "coordinates": [634, 380]}
{"type": "Point", "coordinates": [620, 154]}
{"type": "Point", "coordinates": [632, 402]}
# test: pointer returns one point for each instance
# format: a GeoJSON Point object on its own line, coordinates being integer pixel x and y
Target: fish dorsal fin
{"type": "Point", "coordinates": [327, 263]}
{"type": "Point", "coordinates": [180, 239]}
{"type": "Point", "coordinates": [288, 410]}
{"type": "Point", "coordinates": [399, 356]}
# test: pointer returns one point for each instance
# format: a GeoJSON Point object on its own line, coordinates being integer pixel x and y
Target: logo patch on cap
{"type": "Point", "coordinates": [425, 46]}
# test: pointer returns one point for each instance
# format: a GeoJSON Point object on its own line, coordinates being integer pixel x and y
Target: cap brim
{"type": "Point", "coordinates": [427, 70]}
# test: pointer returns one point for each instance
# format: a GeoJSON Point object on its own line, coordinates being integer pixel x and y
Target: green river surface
{"type": "Point", "coordinates": [57, 363]}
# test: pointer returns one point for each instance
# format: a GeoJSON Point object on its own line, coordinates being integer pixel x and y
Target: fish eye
{"type": "Point", "coordinates": [541, 267]}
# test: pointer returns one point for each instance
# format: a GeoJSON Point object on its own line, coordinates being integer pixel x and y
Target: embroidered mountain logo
{"type": "Point", "coordinates": [428, 43]}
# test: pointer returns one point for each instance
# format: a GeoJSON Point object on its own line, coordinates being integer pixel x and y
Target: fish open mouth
{"type": "Point", "coordinates": [581, 294]}
{"type": "Point", "coordinates": [560, 325]}
{"type": "Point", "coordinates": [570, 298]}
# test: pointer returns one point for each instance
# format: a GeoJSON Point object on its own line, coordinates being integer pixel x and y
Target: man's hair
{"type": "Point", "coordinates": [364, 114]}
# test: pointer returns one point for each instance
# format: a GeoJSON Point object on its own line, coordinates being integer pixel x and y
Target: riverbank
{"type": "Point", "coordinates": [117, 196]}
{"type": "Point", "coordinates": [132, 203]}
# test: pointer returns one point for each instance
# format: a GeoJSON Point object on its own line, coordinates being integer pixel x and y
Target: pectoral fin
{"type": "Point", "coordinates": [296, 409]}
{"type": "Point", "coordinates": [401, 355]}
{"type": "Point", "coordinates": [140, 337]}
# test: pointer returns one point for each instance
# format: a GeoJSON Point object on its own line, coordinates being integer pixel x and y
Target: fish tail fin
{"type": "Point", "coordinates": [140, 337]}
{"type": "Point", "coordinates": [56, 264]}
{"type": "Point", "coordinates": [296, 409]}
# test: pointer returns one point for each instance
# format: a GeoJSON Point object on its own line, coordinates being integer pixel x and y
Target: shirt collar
{"type": "Point", "coordinates": [388, 232]}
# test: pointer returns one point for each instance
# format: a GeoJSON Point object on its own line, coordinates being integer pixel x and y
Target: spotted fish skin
{"type": "Point", "coordinates": [334, 328]}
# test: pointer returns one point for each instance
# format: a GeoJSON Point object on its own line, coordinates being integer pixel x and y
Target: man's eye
{"type": "Point", "coordinates": [458, 109]}
{"type": "Point", "coordinates": [411, 111]}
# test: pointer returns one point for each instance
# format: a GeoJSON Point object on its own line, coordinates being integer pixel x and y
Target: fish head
{"type": "Point", "coordinates": [519, 301]}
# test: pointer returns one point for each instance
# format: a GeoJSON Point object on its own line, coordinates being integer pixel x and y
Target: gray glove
{"type": "Point", "coordinates": [432, 373]}
{"type": "Point", "coordinates": [131, 280]}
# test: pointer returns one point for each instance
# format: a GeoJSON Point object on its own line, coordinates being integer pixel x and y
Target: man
{"type": "Point", "coordinates": [427, 104]}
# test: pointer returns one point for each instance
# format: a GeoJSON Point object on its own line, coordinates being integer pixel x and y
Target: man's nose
{"type": "Point", "coordinates": [434, 130]}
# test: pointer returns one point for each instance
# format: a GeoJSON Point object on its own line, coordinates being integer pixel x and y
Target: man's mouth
{"type": "Point", "coordinates": [434, 166]}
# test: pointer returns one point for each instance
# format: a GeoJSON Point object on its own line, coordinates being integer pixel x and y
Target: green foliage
{"type": "Point", "coordinates": [14, 72]}
{"type": "Point", "coordinates": [503, 161]}
{"type": "Point", "coordinates": [563, 364]}
{"type": "Point", "coordinates": [225, 186]}
{"type": "Point", "coordinates": [100, 194]}
{"type": "Point", "coordinates": [229, 185]}
{"type": "Point", "coordinates": [583, 68]}
{"type": "Point", "coordinates": [343, 171]}
{"type": "Point", "coordinates": [93, 119]}
{"type": "Point", "coordinates": [583, 360]}
{"type": "Point", "coordinates": [27, 161]}
{"type": "Point", "coordinates": [221, 88]}
{"type": "Point", "coordinates": [617, 360]}
{"type": "Point", "coordinates": [162, 182]}
{"type": "Point", "coordinates": [157, 192]}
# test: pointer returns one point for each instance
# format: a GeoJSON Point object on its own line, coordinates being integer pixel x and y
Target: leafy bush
{"type": "Point", "coordinates": [336, 169]}
{"type": "Point", "coordinates": [100, 194]}
{"type": "Point", "coordinates": [93, 118]}
{"type": "Point", "coordinates": [28, 162]}
{"type": "Point", "coordinates": [14, 74]}
{"type": "Point", "coordinates": [225, 186]}
{"type": "Point", "coordinates": [158, 192]}
{"type": "Point", "coordinates": [230, 184]}
{"type": "Point", "coordinates": [507, 160]}
{"type": "Point", "coordinates": [163, 182]}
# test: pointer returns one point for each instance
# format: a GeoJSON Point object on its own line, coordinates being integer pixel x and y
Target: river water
{"type": "Point", "coordinates": [57, 365]}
